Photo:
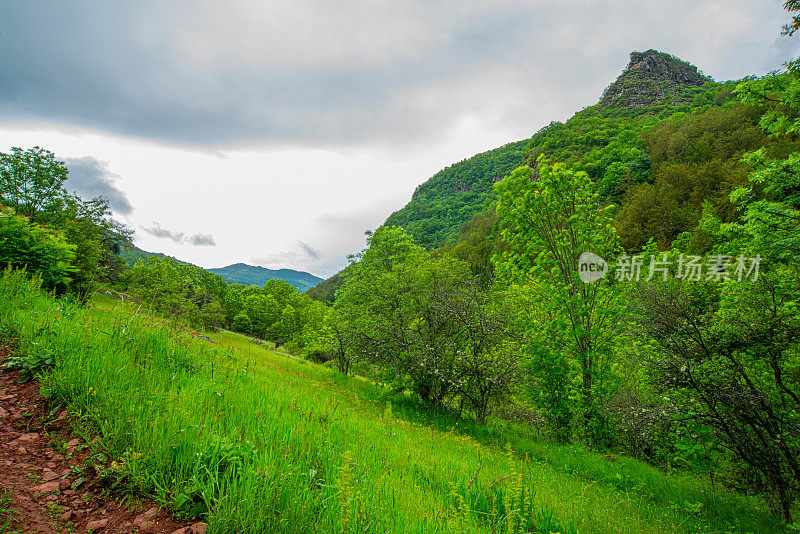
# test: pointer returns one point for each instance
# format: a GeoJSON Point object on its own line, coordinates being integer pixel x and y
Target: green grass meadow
{"type": "Point", "coordinates": [253, 440]}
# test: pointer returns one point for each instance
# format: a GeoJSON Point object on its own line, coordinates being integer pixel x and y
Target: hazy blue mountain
{"type": "Point", "coordinates": [241, 273]}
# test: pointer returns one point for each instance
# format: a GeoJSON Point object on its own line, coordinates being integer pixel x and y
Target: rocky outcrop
{"type": "Point", "coordinates": [653, 78]}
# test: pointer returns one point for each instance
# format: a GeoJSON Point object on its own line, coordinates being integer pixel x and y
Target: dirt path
{"type": "Point", "coordinates": [46, 483]}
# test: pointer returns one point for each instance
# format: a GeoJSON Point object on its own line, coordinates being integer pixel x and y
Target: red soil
{"type": "Point", "coordinates": [44, 490]}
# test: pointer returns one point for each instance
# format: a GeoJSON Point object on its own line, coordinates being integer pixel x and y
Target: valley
{"type": "Point", "coordinates": [593, 327]}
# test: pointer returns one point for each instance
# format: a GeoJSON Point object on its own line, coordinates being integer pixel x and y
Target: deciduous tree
{"type": "Point", "coordinates": [31, 180]}
{"type": "Point", "coordinates": [549, 216]}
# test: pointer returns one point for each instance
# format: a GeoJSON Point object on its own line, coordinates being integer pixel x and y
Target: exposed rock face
{"type": "Point", "coordinates": [652, 78]}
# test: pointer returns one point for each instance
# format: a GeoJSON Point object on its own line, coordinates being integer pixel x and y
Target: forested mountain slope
{"type": "Point", "coordinates": [453, 195]}
{"type": "Point", "coordinates": [133, 254]}
{"type": "Point", "coordinates": [608, 140]}
{"type": "Point", "coordinates": [663, 142]}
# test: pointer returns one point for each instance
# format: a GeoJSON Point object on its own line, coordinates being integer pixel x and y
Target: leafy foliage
{"type": "Point", "coordinates": [277, 312]}
{"type": "Point", "coordinates": [694, 158]}
{"type": "Point", "coordinates": [32, 183]}
{"type": "Point", "coordinates": [549, 216]}
{"type": "Point", "coordinates": [30, 366]}
{"type": "Point", "coordinates": [185, 292]}
{"type": "Point", "coordinates": [425, 322]}
{"type": "Point", "coordinates": [325, 291]}
{"type": "Point", "coordinates": [39, 249]}
{"type": "Point", "coordinates": [731, 364]}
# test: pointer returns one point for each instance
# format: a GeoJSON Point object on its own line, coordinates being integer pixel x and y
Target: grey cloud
{"type": "Point", "coordinates": [310, 251]}
{"type": "Point", "coordinates": [311, 73]}
{"type": "Point", "coordinates": [198, 240]}
{"type": "Point", "coordinates": [90, 177]}
{"type": "Point", "coordinates": [343, 233]}
{"type": "Point", "coordinates": [202, 240]}
{"type": "Point", "coordinates": [163, 233]}
{"type": "Point", "coordinates": [303, 256]}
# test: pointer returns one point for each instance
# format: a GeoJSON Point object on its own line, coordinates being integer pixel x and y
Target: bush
{"type": "Point", "coordinates": [41, 250]}
{"type": "Point", "coordinates": [242, 323]}
{"type": "Point", "coordinates": [639, 426]}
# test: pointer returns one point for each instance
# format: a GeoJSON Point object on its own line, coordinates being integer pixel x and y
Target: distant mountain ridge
{"type": "Point", "coordinates": [238, 273]}
{"type": "Point", "coordinates": [241, 273]}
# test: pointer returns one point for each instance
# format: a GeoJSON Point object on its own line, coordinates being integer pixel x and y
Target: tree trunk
{"type": "Point", "coordinates": [784, 501]}
{"type": "Point", "coordinates": [586, 390]}
{"type": "Point", "coordinates": [590, 413]}
{"type": "Point", "coordinates": [480, 412]}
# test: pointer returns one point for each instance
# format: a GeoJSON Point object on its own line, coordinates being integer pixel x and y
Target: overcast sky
{"type": "Point", "coordinates": [274, 133]}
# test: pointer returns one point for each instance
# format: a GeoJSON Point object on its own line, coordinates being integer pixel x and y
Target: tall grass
{"type": "Point", "coordinates": [258, 442]}
{"type": "Point", "coordinates": [701, 508]}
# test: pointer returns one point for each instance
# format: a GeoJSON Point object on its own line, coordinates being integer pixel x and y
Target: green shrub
{"type": "Point", "coordinates": [38, 249]}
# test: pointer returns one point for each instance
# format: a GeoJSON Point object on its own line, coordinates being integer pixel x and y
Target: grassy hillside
{"type": "Point", "coordinates": [259, 442]}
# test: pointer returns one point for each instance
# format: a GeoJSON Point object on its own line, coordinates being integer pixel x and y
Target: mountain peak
{"type": "Point", "coordinates": [652, 78]}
